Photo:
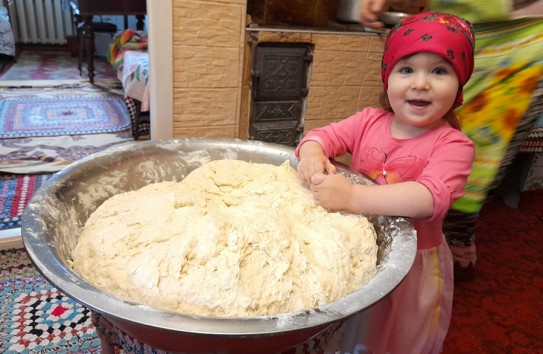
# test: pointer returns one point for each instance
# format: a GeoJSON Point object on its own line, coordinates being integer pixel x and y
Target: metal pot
{"type": "Point", "coordinates": [54, 217]}
{"type": "Point", "coordinates": [348, 11]}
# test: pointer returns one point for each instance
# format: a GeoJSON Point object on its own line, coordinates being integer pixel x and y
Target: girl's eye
{"type": "Point", "coordinates": [405, 70]}
{"type": "Point", "coordinates": [439, 71]}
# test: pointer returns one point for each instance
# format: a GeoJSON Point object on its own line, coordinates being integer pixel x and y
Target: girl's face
{"type": "Point", "coordinates": [421, 90]}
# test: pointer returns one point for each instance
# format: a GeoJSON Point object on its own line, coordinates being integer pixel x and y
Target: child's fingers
{"type": "Point", "coordinates": [330, 168]}
{"type": "Point", "coordinates": [317, 178]}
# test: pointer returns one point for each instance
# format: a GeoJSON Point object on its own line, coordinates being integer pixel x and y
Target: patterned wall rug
{"type": "Point", "coordinates": [36, 317]}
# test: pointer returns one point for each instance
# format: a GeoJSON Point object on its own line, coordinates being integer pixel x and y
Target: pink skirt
{"type": "Point", "coordinates": [414, 318]}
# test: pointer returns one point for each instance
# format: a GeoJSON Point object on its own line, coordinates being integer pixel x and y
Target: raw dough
{"type": "Point", "coordinates": [232, 239]}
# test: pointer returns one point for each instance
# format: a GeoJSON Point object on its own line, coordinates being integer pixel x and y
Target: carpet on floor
{"type": "Point", "coordinates": [51, 154]}
{"type": "Point", "coordinates": [36, 317]}
{"type": "Point", "coordinates": [53, 65]}
{"type": "Point", "coordinates": [25, 163]}
{"type": "Point", "coordinates": [15, 193]}
{"type": "Point", "coordinates": [501, 310]}
{"type": "Point", "coordinates": [44, 154]}
{"type": "Point", "coordinates": [61, 112]}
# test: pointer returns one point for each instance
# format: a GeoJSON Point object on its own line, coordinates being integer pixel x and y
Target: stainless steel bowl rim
{"type": "Point", "coordinates": [45, 258]}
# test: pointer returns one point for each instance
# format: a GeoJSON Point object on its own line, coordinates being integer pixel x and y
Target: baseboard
{"type": "Point", "coordinates": [11, 238]}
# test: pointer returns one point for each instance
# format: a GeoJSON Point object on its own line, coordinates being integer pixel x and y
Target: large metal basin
{"type": "Point", "coordinates": [53, 220]}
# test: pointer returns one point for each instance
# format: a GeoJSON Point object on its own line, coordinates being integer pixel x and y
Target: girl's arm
{"type": "Point", "coordinates": [320, 144]}
{"type": "Point", "coordinates": [410, 199]}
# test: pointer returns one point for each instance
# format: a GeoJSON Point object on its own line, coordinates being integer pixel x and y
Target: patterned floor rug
{"type": "Point", "coordinates": [51, 154]}
{"type": "Point", "coordinates": [32, 115]}
{"type": "Point", "coordinates": [15, 193]}
{"type": "Point", "coordinates": [36, 317]}
{"type": "Point", "coordinates": [34, 155]}
{"type": "Point", "coordinates": [53, 65]}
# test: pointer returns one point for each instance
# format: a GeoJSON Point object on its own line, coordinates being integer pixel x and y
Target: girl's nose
{"type": "Point", "coordinates": [420, 82]}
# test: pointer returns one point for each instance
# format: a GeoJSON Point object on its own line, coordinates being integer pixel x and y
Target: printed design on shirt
{"type": "Point", "coordinates": [397, 170]}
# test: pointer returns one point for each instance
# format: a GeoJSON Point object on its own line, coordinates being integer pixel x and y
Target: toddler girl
{"type": "Point", "coordinates": [415, 152]}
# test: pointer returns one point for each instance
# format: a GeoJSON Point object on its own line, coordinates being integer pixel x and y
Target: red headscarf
{"type": "Point", "coordinates": [432, 32]}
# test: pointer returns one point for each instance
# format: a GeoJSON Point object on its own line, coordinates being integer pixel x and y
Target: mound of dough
{"type": "Point", "coordinates": [232, 239]}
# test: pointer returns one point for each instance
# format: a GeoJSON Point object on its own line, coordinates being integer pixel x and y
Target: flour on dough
{"type": "Point", "coordinates": [231, 239]}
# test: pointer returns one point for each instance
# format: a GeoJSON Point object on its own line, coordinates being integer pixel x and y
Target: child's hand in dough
{"type": "Point", "coordinates": [331, 191]}
{"type": "Point", "coordinates": [312, 164]}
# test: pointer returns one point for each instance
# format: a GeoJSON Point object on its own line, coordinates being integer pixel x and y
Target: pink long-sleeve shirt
{"type": "Point", "coordinates": [440, 159]}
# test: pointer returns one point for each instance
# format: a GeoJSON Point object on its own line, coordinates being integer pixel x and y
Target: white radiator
{"type": "Point", "coordinates": [41, 21]}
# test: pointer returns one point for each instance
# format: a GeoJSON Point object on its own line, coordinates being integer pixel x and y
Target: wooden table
{"type": "Point", "coordinates": [90, 8]}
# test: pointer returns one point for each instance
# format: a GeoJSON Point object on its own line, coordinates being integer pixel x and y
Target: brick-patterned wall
{"type": "Point", "coordinates": [208, 42]}
{"type": "Point", "coordinates": [345, 77]}
{"type": "Point", "coordinates": [345, 73]}
{"type": "Point", "coordinates": [212, 62]}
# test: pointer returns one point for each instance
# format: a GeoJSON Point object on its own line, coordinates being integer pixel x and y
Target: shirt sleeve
{"type": "Point", "coordinates": [342, 137]}
{"type": "Point", "coordinates": [447, 170]}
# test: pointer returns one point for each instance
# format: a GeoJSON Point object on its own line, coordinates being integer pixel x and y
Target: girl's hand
{"type": "Point", "coordinates": [313, 160]}
{"type": "Point", "coordinates": [332, 191]}
{"type": "Point", "coordinates": [312, 164]}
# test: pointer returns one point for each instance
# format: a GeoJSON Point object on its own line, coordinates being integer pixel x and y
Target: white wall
{"type": "Point", "coordinates": [160, 68]}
